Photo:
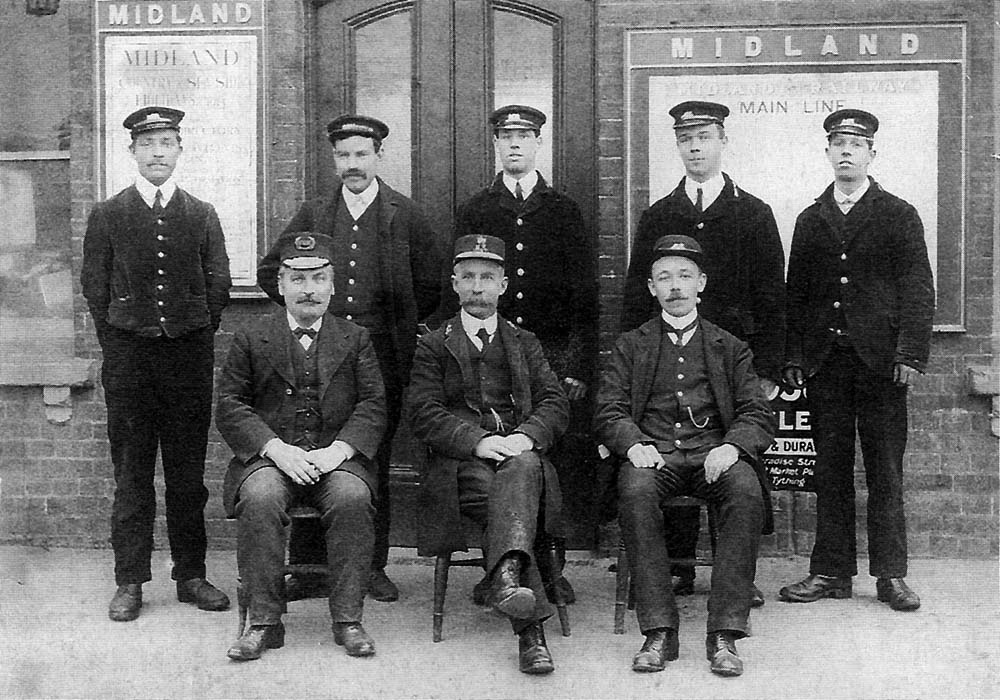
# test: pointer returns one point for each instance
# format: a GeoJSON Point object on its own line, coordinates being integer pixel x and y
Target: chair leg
{"type": "Point", "coordinates": [622, 589]}
{"type": "Point", "coordinates": [441, 565]}
{"type": "Point", "coordinates": [242, 607]}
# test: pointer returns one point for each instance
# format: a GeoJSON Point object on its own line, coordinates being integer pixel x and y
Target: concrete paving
{"type": "Point", "coordinates": [57, 641]}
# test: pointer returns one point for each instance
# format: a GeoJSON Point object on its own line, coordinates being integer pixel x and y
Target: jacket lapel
{"type": "Point", "coordinates": [276, 349]}
{"type": "Point", "coordinates": [857, 218]}
{"type": "Point", "coordinates": [387, 203]}
{"type": "Point", "coordinates": [457, 344]}
{"type": "Point", "coordinates": [331, 351]}
{"type": "Point", "coordinates": [519, 372]}
{"type": "Point", "coordinates": [644, 366]}
{"type": "Point", "coordinates": [714, 349]}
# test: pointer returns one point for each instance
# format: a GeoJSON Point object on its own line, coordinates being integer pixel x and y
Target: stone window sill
{"type": "Point", "coordinates": [56, 377]}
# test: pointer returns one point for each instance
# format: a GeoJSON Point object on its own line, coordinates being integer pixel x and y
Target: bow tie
{"type": "Point", "coordinates": [299, 332]}
{"type": "Point", "coordinates": [678, 333]}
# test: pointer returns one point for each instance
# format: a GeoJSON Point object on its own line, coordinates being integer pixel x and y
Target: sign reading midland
{"type": "Point", "coordinates": [183, 14]}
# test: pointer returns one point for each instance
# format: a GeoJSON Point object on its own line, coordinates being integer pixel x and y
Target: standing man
{"type": "Point", "coordinates": [156, 278]}
{"type": "Point", "coordinates": [681, 403]}
{"type": "Point", "coordinates": [744, 264]}
{"type": "Point", "coordinates": [552, 267]}
{"type": "Point", "coordinates": [302, 406]}
{"type": "Point", "coordinates": [388, 264]}
{"type": "Point", "coordinates": [483, 399]}
{"type": "Point", "coordinates": [861, 306]}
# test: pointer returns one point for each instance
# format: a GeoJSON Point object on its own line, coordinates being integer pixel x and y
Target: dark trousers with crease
{"type": "Point", "coordinates": [306, 545]}
{"type": "Point", "coordinates": [346, 514]}
{"type": "Point", "coordinates": [739, 509]}
{"type": "Point", "coordinates": [842, 395]}
{"type": "Point", "coordinates": [158, 393]}
{"type": "Point", "coordinates": [506, 500]}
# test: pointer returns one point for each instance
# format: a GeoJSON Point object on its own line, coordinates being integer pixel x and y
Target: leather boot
{"type": "Point", "coordinates": [816, 586]}
{"type": "Point", "coordinates": [533, 653]}
{"type": "Point", "coordinates": [126, 603]}
{"type": "Point", "coordinates": [255, 640]}
{"type": "Point", "coordinates": [354, 639]}
{"type": "Point", "coordinates": [720, 650]}
{"type": "Point", "coordinates": [659, 648]}
{"type": "Point", "coordinates": [509, 596]}
{"type": "Point", "coordinates": [897, 594]}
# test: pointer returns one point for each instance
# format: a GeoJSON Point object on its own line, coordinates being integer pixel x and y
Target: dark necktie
{"type": "Point", "coordinates": [698, 202]}
{"type": "Point", "coordinates": [299, 332]}
{"type": "Point", "coordinates": [158, 203]}
{"type": "Point", "coordinates": [484, 338]}
{"type": "Point", "coordinates": [678, 333]}
{"type": "Point", "coordinates": [518, 192]}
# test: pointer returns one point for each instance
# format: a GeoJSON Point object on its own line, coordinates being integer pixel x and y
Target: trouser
{"type": "Point", "coordinates": [346, 515]}
{"type": "Point", "coordinates": [506, 500]}
{"type": "Point", "coordinates": [307, 542]}
{"type": "Point", "coordinates": [158, 393]}
{"type": "Point", "coordinates": [845, 394]}
{"type": "Point", "coordinates": [739, 509]}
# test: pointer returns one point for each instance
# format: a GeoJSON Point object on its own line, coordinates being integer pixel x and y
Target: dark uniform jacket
{"type": "Point", "coordinates": [444, 416]}
{"type": "Point", "coordinates": [409, 262]}
{"type": "Point", "coordinates": [257, 396]}
{"type": "Point", "coordinates": [744, 262]}
{"type": "Point", "coordinates": [120, 264]}
{"type": "Point", "coordinates": [872, 275]}
{"type": "Point", "coordinates": [551, 265]}
{"type": "Point", "coordinates": [627, 384]}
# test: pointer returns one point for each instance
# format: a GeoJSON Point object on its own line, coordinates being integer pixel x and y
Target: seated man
{"type": "Point", "coordinates": [679, 399]}
{"type": "Point", "coordinates": [302, 405]}
{"type": "Point", "coordinates": [483, 398]}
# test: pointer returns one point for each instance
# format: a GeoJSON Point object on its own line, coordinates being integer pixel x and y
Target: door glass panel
{"type": "Point", "coordinates": [383, 69]}
{"type": "Point", "coordinates": [523, 69]}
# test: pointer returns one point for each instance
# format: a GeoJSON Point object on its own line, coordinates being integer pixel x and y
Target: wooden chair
{"type": "Point", "coordinates": [300, 514]}
{"type": "Point", "coordinates": [624, 591]}
{"type": "Point", "coordinates": [544, 550]}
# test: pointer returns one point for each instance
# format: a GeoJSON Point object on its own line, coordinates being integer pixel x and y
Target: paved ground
{"type": "Point", "coordinates": [57, 641]}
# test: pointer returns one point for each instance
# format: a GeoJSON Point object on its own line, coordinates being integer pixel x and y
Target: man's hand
{"type": "Point", "coordinates": [495, 447]}
{"type": "Point", "coordinates": [575, 388]}
{"type": "Point", "coordinates": [327, 459]}
{"type": "Point", "coordinates": [645, 456]}
{"type": "Point", "coordinates": [718, 461]}
{"type": "Point", "coordinates": [519, 442]}
{"type": "Point", "coordinates": [904, 375]}
{"type": "Point", "coordinates": [794, 377]}
{"type": "Point", "coordinates": [293, 461]}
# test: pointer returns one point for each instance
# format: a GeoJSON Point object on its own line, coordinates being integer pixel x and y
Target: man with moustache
{"type": "Point", "coordinates": [483, 399]}
{"type": "Point", "coordinates": [553, 276]}
{"type": "Point", "coordinates": [744, 263]}
{"type": "Point", "coordinates": [302, 406]}
{"type": "Point", "coordinates": [681, 403]}
{"type": "Point", "coordinates": [861, 308]}
{"type": "Point", "coordinates": [156, 278]}
{"type": "Point", "coordinates": [388, 265]}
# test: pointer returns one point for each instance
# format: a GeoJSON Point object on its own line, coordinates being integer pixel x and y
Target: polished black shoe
{"type": "Point", "coordinates": [354, 639]}
{"type": "Point", "coordinates": [897, 594]}
{"type": "Point", "coordinates": [659, 648]}
{"type": "Point", "coordinates": [756, 598]}
{"type": "Point", "coordinates": [304, 586]}
{"type": "Point", "coordinates": [532, 653]}
{"type": "Point", "coordinates": [816, 586]}
{"type": "Point", "coordinates": [720, 650]}
{"type": "Point", "coordinates": [509, 596]}
{"type": "Point", "coordinates": [200, 592]}
{"type": "Point", "coordinates": [255, 640]}
{"type": "Point", "coordinates": [381, 588]}
{"type": "Point", "coordinates": [684, 584]}
{"type": "Point", "coordinates": [126, 603]}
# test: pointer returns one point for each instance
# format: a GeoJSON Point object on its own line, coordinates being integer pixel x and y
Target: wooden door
{"type": "Point", "coordinates": [433, 70]}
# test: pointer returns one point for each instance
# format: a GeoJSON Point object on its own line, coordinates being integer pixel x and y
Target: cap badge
{"type": "Point", "coordinates": [481, 245]}
{"type": "Point", "coordinates": [688, 115]}
{"type": "Point", "coordinates": [305, 243]}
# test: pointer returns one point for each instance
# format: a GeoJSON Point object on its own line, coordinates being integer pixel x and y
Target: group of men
{"type": "Point", "coordinates": [310, 396]}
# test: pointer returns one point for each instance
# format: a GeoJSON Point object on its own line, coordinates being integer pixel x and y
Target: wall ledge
{"type": "Point", "coordinates": [56, 377]}
{"type": "Point", "coordinates": [984, 380]}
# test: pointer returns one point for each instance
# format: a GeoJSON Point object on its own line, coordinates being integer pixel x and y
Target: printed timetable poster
{"type": "Point", "coordinates": [790, 461]}
{"type": "Point", "coordinates": [204, 59]}
{"type": "Point", "coordinates": [779, 85]}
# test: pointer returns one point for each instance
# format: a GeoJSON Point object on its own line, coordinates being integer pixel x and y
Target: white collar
{"type": "Point", "coordinates": [678, 323]}
{"type": "Point", "coordinates": [293, 324]}
{"type": "Point", "coordinates": [710, 190]}
{"type": "Point", "coordinates": [471, 324]}
{"type": "Point", "coordinates": [364, 198]}
{"type": "Point", "coordinates": [841, 198]}
{"type": "Point", "coordinates": [528, 182]}
{"type": "Point", "coordinates": [147, 190]}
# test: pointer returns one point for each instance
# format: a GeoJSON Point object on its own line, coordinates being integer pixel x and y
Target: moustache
{"type": "Point", "coordinates": [354, 173]}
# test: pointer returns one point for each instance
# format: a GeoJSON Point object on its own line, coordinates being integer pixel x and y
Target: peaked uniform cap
{"type": "Point", "coordinates": [855, 122]}
{"type": "Point", "coordinates": [347, 125]}
{"type": "Point", "coordinates": [150, 118]}
{"type": "Point", "coordinates": [683, 246]}
{"type": "Point", "coordinates": [304, 250]}
{"type": "Point", "coordinates": [697, 113]}
{"type": "Point", "coordinates": [517, 117]}
{"type": "Point", "coordinates": [481, 247]}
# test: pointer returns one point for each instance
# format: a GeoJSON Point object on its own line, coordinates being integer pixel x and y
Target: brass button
{"type": "Point", "coordinates": [520, 272]}
{"type": "Point", "coordinates": [843, 256]}
{"type": "Point", "coordinates": [519, 295]}
{"type": "Point", "coordinates": [520, 221]}
{"type": "Point", "coordinates": [519, 246]}
{"type": "Point", "coordinates": [518, 320]}
{"type": "Point", "coordinates": [700, 226]}
{"type": "Point", "coordinates": [161, 254]}
{"type": "Point", "coordinates": [836, 304]}
{"type": "Point", "coordinates": [843, 280]}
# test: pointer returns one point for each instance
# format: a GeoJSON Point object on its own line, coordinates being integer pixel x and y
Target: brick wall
{"type": "Point", "coordinates": [951, 465]}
